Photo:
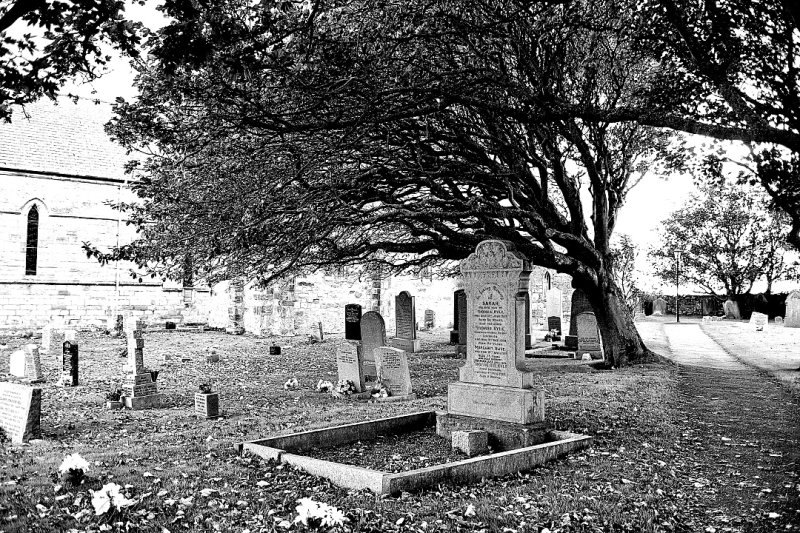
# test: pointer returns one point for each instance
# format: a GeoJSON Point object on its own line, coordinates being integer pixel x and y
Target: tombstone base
{"type": "Point", "coordinates": [503, 436]}
{"type": "Point", "coordinates": [520, 406]}
{"type": "Point", "coordinates": [571, 341]}
{"type": "Point", "coordinates": [142, 402]}
{"type": "Point", "coordinates": [461, 349]}
{"type": "Point", "coordinates": [234, 330]}
{"type": "Point", "coordinates": [407, 345]}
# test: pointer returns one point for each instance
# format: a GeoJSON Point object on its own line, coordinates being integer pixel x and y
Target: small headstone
{"type": "Point", "coordinates": [778, 320]}
{"type": "Point", "coordinates": [20, 411]}
{"type": "Point", "coordinates": [352, 322]}
{"type": "Point", "coordinates": [405, 322]}
{"type": "Point", "coordinates": [659, 307]}
{"type": "Point", "coordinates": [373, 336]}
{"type": "Point", "coordinates": [792, 317]}
{"type": "Point", "coordinates": [69, 362]}
{"type": "Point", "coordinates": [589, 336]}
{"type": "Point", "coordinates": [554, 324]}
{"type": "Point", "coordinates": [274, 350]}
{"type": "Point", "coordinates": [33, 364]}
{"type": "Point", "coordinates": [430, 319]}
{"type": "Point", "coordinates": [392, 368]}
{"type": "Point", "coordinates": [350, 364]}
{"type": "Point", "coordinates": [470, 442]}
{"type": "Point", "coordinates": [758, 321]}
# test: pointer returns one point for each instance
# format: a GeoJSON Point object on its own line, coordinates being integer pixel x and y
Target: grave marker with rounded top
{"type": "Point", "coordinates": [392, 368]}
{"type": "Point", "coordinates": [350, 364]}
{"type": "Point", "coordinates": [659, 307]}
{"type": "Point", "coordinates": [792, 316]}
{"type": "Point", "coordinates": [758, 321]}
{"type": "Point", "coordinates": [405, 323]}
{"type": "Point", "coordinates": [580, 304]}
{"type": "Point", "coordinates": [589, 336]}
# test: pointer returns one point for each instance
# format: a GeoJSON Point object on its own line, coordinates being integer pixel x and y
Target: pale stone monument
{"type": "Point", "coordinates": [493, 383]}
{"type": "Point", "coordinates": [350, 364]}
{"type": "Point", "coordinates": [430, 319]}
{"type": "Point", "coordinates": [16, 363]}
{"type": "Point", "coordinates": [731, 309]}
{"type": "Point", "coordinates": [778, 320]}
{"type": "Point", "coordinates": [589, 336]}
{"type": "Point", "coordinates": [758, 321]}
{"type": "Point", "coordinates": [554, 305]}
{"type": "Point", "coordinates": [236, 308]}
{"type": "Point", "coordinates": [373, 336]}
{"type": "Point", "coordinates": [52, 334]}
{"type": "Point", "coordinates": [405, 323]}
{"type": "Point", "coordinates": [792, 317]}
{"type": "Point", "coordinates": [139, 391]}
{"type": "Point", "coordinates": [659, 307]}
{"type": "Point", "coordinates": [20, 411]}
{"type": "Point", "coordinates": [392, 368]}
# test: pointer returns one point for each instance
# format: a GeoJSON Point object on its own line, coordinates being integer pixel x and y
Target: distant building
{"type": "Point", "coordinates": [58, 172]}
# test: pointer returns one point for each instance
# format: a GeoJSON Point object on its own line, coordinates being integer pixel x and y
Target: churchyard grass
{"type": "Point", "coordinates": [651, 468]}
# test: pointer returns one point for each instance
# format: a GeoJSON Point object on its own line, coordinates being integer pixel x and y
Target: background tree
{"type": "Point", "coordinates": [624, 253]}
{"type": "Point", "coordinates": [44, 43]}
{"type": "Point", "coordinates": [729, 240]}
{"type": "Point", "coordinates": [288, 137]}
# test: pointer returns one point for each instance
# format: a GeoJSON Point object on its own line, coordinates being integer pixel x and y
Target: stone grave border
{"type": "Point", "coordinates": [285, 449]}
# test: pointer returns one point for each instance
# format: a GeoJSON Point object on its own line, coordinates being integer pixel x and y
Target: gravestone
{"type": "Point", "coordinates": [69, 360]}
{"type": "Point", "coordinates": [580, 304]}
{"type": "Point", "coordinates": [454, 332]}
{"type": "Point", "coordinates": [555, 304]}
{"type": "Point", "coordinates": [528, 339]}
{"type": "Point", "coordinates": [758, 321]}
{"type": "Point", "coordinates": [350, 364]}
{"type": "Point", "coordinates": [463, 323]}
{"type": "Point", "coordinates": [731, 309]}
{"type": "Point", "coordinates": [405, 323]}
{"type": "Point", "coordinates": [352, 322]}
{"type": "Point", "coordinates": [493, 384]}
{"type": "Point", "coordinates": [778, 320]}
{"type": "Point", "coordinates": [53, 336]}
{"type": "Point", "coordinates": [430, 319]}
{"type": "Point", "coordinates": [373, 336]}
{"type": "Point", "coordinates": [554, 324]}
{"type": "Point", "coordinates": [392, 368]}
{"type": "Point", "coordinates": [792, 317]}
{"type": "Point", "coordinates": [20, 411]}
{"type": "Point", "coordinates": [31, 366]}
{"type": "Point", "coordinates": [659, 307]}
{"type": "Point", "coordinates": [236, 308]}
{"type": "Point", "coordinates": [589, 336]}
{"type": "Point", "coordinates": [139, 391]}
{"type": "Point", "coordinates": [16, 363]}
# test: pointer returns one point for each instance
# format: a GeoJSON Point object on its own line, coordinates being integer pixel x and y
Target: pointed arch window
{"type": "Point", "coordinates": [548, 282]}
{"type": "Point", "coordinates": [32, 242]}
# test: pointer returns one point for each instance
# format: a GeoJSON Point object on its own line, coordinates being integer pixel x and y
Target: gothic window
{"type": "Point", "coordinates": [32, 242]}
{"type": "Point", "coordinates": [547, 282]}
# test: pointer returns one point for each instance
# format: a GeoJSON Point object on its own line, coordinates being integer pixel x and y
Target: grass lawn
{"type": "Point", "coordinates": [644, 472]}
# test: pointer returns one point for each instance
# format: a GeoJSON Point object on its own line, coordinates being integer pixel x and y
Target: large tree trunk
{"type": "Point", "coordinates": [622, 344]}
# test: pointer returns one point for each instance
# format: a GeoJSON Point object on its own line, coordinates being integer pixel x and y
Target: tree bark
{"type": "Point", "coordinates": [622, 344]}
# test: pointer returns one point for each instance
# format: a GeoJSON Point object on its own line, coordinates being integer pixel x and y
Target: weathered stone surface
{"type": "Point", "coordinates": [463, 319]}
{"type": "Point", "coordinates": [430, 319]}
{"type": "Point", "coordinates": [69, 363]}
{"type": "Point", "coordinates": [392, 368]}
{"type": "Point", "coordinates": [758, 321]}
{"type": "Point", "coordinates": [554, 324]}
{"type": "Point", "coordinates": [521, 406]}
{"type": "Point", "coordinates": [580, 304]}
{"type": "Point", "coordinates": [350, 364]}
{"type": "Point", "coordinates": [142, 402]}
{"type": "Point", "coordinates": [405, 323]}
{"type": "Point", "coordinates": [352, 322]}
{"type": "Point", "coordinates": [792, 318]}
{"type": "Point", "coordinates": [659, 307]}
{"type": "Point", "coordinates": [503, 436]}
{"type": "Point", "coordinates": [778, 320]}
{"type": "Point", "coordinates": [373, 336]}
{"type": "Point", "coordinates": [206, 405]}
{"type": "Point", "coordinates": [20, 411]}
{"type": "Point", "coordinates": [554, 305]}
{"type": "Point", "coordinates": [589, 336]}
{"type": "Point", "coordinates": [33, 364]}
{"type": "Point", "coordinates": [470, 442]}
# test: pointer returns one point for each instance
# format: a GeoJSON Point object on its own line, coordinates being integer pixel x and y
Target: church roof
{"type": "Point", "coordinates": [63, 138]}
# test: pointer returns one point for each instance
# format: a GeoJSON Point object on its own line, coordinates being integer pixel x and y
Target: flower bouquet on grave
{"type": "Point", "coordinates": [109, 499]}
{"type": "Point", "coordinates": [291, 384]}
{"type": "Point", "coordinates": [379, 390]}
{"type": "Point", "coordinates": [73, 468]}
{"type": "Point", "coordinates": [324, 386]}
{"type": "Point", "coordinates": [345, 387]}
{"type": "Point", "coordinates": [316, 515]}
{"type": "Point", "coordinates": [206, 403]}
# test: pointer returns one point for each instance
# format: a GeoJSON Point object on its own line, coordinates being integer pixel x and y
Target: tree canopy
{"type": "Point", "coordinates": [60, 41]}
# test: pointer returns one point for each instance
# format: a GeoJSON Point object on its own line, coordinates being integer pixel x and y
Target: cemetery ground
{"type": "Point", "coordinates": [676, 448]}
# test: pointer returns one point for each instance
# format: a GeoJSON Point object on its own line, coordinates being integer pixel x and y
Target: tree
{"type": "Point", "coordinates": [728, 241]}
{"type": "Point", "coordinates": [307, 135]}
{"type": "Point", "coordinates": [623, 254]}
{"type": "Point", "coordinates": [61, 40]}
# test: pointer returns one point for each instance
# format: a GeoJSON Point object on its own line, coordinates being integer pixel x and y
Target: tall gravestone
{"type": "Point", "coordinates": [430, 319]}
{"type": "Point", "coordinates": [139, 391]}
{"type": "Point", "coordinates": [580, 304]}
{"type": "Point", "coordinates": [20, 411]}
{"type": "Point", "coordinates": [792, 317]}
{"type": "Point", "coordinates": [659, 307]}
{"type": "Point", "coordinates": [405, 323]}
{"type": "Point", "coordinates": [373, 336]}
{"type": "Point", "coordinates": [350, 364]}
{"type": "Point", "coordinates": [589, 336]}
{"type": "Point", "coordinates": [352, 322]}
{"type": "Point", "coordinates": [463, 322]}
{"type": "Point", "coordinates": [454, 331]}
{"type": "Point", "coordinates": [33, 364]}
{"type": "Point", "coordinates": [69, 360]}
{"type": "Point", "coordinates": [392, 367]}
{"type": "Point", "coordinates": [236, 308]}
{"type": "Point", "coordinates": [493, 383]}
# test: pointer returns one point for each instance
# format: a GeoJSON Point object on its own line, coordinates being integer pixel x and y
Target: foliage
{"type": "Point", "coordinates": [114, 394]}
{"type": "Point", "coordinates": [728, 240]}
{"type": "Point", "coordinates": [624, 254]}
{"type": "Point", "coordinates": [60, 40]}
{"type": "Point", "coordinates": [205, 388]}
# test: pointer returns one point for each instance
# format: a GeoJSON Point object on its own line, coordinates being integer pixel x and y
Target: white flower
{"type": "Point", "coordinates": [324, 386]}
{"type": "Point", "coordinates": [108, 497]}
{"type": "Point", "coordinates": [470, 510]}
{"type": "Point", "coordinates": [327, 515]}
{"type": "Point", "coordinates": [291, 384]}
{"type": "Point", "coordinates": [74, 462]}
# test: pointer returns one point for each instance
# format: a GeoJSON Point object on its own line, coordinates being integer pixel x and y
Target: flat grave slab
{"type": "Point", "coordinates": [286, 449]}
